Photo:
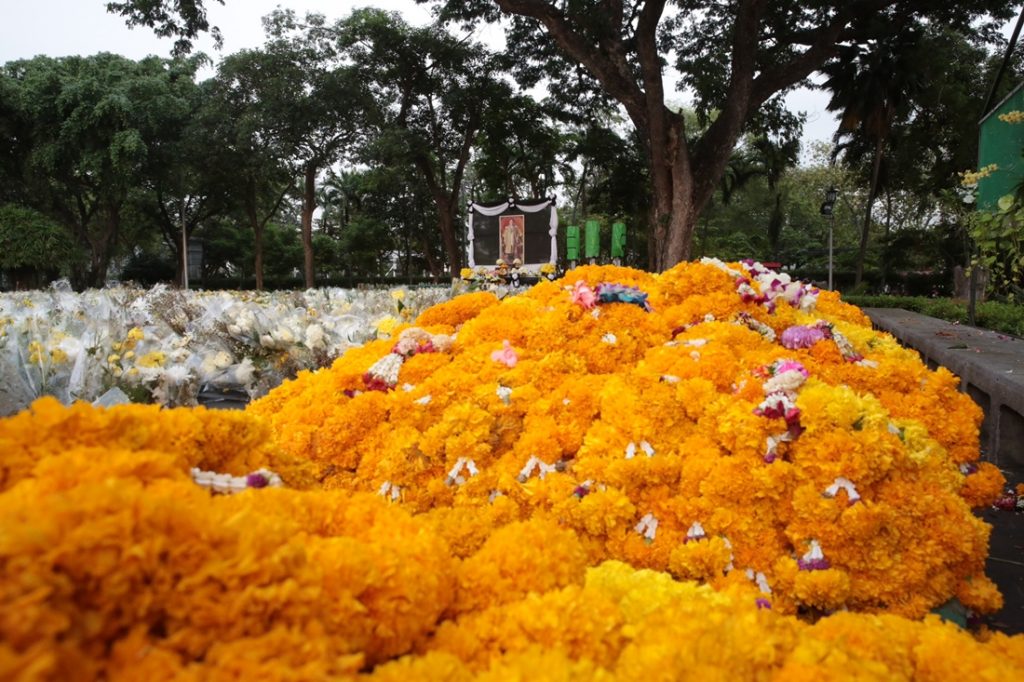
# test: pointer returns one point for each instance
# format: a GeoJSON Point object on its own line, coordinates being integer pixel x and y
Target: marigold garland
{"type": "Point", "coordinates": [685, 414]}
{"type": "Point", "coordinates": [658, 430]}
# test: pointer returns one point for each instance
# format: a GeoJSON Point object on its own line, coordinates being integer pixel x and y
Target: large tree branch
{"type": "Point", "coordinates": [467, 146]}
{"type": "Point", "coordinates": [712, 153]}
{"type": "Point", "coordinates": [650, 62]}
{"type": "Point", "coordinates": [609, 70]}
{"type": "Point", "coordinates": [822, 46]}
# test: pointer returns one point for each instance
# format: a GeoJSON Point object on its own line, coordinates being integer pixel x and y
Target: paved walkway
{"type": "Point", "coordinates": [991, 368]}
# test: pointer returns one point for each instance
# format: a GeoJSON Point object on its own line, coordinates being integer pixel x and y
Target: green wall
{"type": "Point", "coordinates": [1003, 144]}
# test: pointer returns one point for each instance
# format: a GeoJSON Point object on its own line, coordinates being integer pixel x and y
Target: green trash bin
{"type": "Point", "coordinates": [618, 242]}
{"type": "Point", "coordinates": [572, 243]}
{"type": "Point", "coordinates": [593, 240]}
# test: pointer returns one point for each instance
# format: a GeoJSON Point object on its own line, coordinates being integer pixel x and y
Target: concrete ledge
{"type": "Point", "coordinates": [991, 370]}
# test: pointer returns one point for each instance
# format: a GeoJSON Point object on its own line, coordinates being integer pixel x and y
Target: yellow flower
{"type": "Point", "coordinates": [1012, 117]}
{"type": "Point", "coordinates": [154, 358]}
{"type": "Point", "coordinates": [35, 352]}
{"type": "Point", "coordinates": [386, 326]}
{"type": "Point", "coordinates": [971, 178]}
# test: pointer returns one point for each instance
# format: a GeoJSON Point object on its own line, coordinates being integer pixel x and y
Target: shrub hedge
{"type": "Point", "coordinates": [1007, 318]}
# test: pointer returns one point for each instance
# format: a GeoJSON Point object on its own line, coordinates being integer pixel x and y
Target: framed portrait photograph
{"type": "Point", "coordinates": [524, 230]}
{"type": "Point", "coordinates": [512, 238]}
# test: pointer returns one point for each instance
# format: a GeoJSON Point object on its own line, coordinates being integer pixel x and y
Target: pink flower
{"type": "Point", "coordinates": [507, 355]}
{"type": "Point", "coordinates": [783, 366]}
{"type": "Point", "coordinates": [584, 295]}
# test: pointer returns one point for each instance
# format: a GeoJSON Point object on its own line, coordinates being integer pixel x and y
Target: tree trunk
{"type": "Point", "coordinates": [676, 202]}
{"type": "Point", "coordinates": [432, 265]}
{"type": "Point", "coordinates": [775, 227]}
{"type": "Point", "coordinates": [884, 265]}
{"type": "Point", "coordinates": [257, 229]}
{"type": "Point", "coordinates": [446, 221]}
{"type": "Point", "coordinates": [102, 246]}
{"type": "Point", "coordinates": [873, 193]}
{"type": "Point", "coordinates": [258, 259]}
{"type": "Point", "coordinates": [308, 206]}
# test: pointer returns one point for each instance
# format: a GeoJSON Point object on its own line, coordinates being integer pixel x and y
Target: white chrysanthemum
{"type": "Point", "coordinates": [785, 381]}
{"type": "Point", "coordinates": [314, 336]}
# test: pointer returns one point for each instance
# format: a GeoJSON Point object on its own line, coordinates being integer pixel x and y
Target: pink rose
{"type": "Point", "coordinates": [584, 295]}
{"type": "Point", "coordinates": [506, 355]}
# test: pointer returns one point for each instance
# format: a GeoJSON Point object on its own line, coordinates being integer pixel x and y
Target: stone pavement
{"type": "Point", "coordinates": [991, 368]}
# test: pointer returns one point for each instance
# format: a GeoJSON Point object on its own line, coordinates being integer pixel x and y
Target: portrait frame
{"type": "Point", "coordinates": [512, 238]}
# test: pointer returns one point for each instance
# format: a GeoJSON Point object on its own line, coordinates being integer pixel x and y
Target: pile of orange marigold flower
{"type": "Point", "coordinates": [710, 472]}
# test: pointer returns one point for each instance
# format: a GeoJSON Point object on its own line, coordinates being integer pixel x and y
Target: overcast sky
{"type": "Point", "coordinates": [69, 27]}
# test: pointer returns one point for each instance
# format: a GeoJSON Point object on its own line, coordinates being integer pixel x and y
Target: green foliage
{"type": "Point", "coordinates": [1002, 317]}
{"type": "Point", "coordinates": [147, 268]}
{"type": "Point", "coordinates": [169, 18]}
{"type": "Point", "coordinates": [86, 128]}
{"type": "Point", "coordinates": [433, 95]}
{"type": "Point", "coordinates": [999, 237]}
{"type": "Point", "coordinates": [28, 239]}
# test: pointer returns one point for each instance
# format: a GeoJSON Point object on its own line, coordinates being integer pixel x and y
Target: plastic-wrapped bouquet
{"type": "Point", "coordinates": [163, 345]}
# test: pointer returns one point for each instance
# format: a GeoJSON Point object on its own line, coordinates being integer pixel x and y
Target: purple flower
{"type": "Point", "coordinates": [801, 337]}
{"type": "Point", "coordinates": [763, 603]}
{"type": "Point", "coordinates": [821, 564]}
{"type": "Point", "coordinates": [256, 480]}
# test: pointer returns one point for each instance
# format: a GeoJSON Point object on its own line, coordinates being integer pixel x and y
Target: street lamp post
{"type": "Point", "coordinates": [828, 209]}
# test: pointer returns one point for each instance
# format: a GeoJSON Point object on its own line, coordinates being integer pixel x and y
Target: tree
{"type": "Point", "coordinates": [873, 86]}
{"type": "Point", "coordinates": [518, 152]}
{"type": "Point", "coordinates": [432, 93]}
{"type": "Point", "coordinates": [316, 102]}
{"type": "Point", "coordinates": [906, 106]}
{"type": "Point", "coordinates": [183, 183]}
{"type": "Point", "coordinates": [33, 248]}
{"type": "Point", "coordinates": [736, 55]}
{"type": "Point", "coordinates": [767, 157]}
{"type": "Point", "coordinates": [85, 127]}
{"type": "Point", "coordinates": [185, 19]}
{"type": "Point", "coordinates": [255, 148]}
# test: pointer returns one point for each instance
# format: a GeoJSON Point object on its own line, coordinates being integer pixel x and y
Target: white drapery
{"type": "Point", "coordinates": [525, 208]}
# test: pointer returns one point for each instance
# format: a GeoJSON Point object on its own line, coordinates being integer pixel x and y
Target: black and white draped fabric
{"type": "Point", "coordinates": [540, 233]}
